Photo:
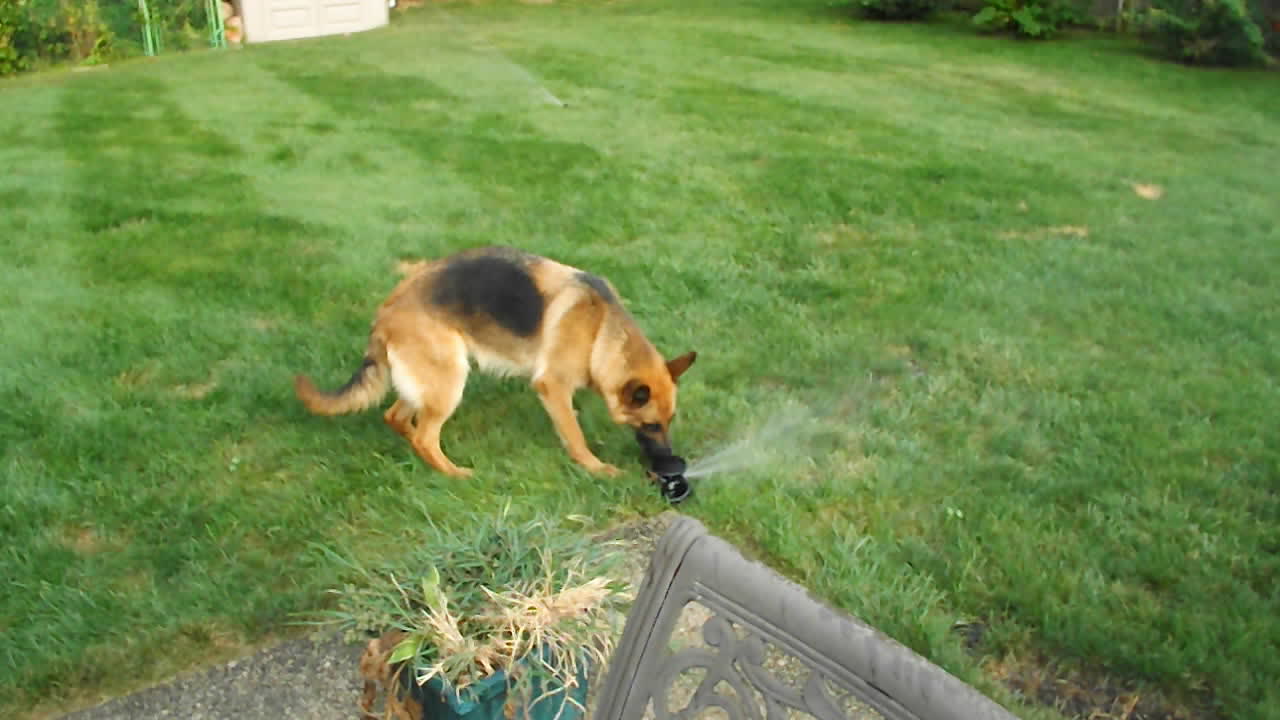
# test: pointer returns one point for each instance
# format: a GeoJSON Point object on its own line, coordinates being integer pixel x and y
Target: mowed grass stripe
{"type": "Point", "coordinates": [150, 366]}
{"type": "Point", "coordinates": [34, 498]}
{"type": "Point", "coordinates": [388, 204]}
{"type": "Point", "coordinates": [523, 182]}
{"type": "Point", "coordinates": [124, 525]}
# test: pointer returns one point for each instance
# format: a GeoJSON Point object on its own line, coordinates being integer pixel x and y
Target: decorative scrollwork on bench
{"type": "Point", "coordinates": [738, 658]}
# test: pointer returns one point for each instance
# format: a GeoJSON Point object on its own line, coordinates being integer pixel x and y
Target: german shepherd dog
{"type": "Point", "coordinates": [514, 314]}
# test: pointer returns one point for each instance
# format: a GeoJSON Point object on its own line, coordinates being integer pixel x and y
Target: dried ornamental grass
{"type": "Point", "coordinates": [535, 599]}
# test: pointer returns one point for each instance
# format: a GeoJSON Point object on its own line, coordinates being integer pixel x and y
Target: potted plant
{"type": "Point", "coordinates": [490, 618]}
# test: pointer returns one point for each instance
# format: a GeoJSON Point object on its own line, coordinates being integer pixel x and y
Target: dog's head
{"type": "Point", "coordinates": [647, 402]}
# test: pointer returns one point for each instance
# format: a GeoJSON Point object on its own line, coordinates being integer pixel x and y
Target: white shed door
{"type": "Point", "coordinates": [267, 20]}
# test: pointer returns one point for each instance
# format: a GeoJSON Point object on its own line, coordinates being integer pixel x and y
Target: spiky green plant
{"type": "Point", "coordinates": [533, 598]}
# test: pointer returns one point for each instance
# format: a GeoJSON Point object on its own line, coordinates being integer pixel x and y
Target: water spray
{"type": "Point", "coordinates": [787, 434]}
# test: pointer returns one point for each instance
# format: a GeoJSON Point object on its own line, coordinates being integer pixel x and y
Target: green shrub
{"type": "Point", "coordinates": [30, 31]}
{"type": "Point", "coordinates": [1206, 32]}
{"type": "Point", "coordinates": [14, 29]}
{"type": "Point", "coordinates": [36, 32]}
{"type": "Point", "coordinates": [11, 61]}
{"type": "Point", "coordinates": [87, 37]}
{"type": "Point", "coordinates": [895, 9]}
{"type": "Point", "coordinates": [1026, 18]}
{"type": "Point", "coordinates": [51, 31]}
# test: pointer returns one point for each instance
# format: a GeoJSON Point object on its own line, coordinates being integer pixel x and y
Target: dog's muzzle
{"type": "Point", "coordinates": [653, 447]}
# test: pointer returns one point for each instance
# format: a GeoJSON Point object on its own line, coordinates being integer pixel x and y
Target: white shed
{"type": "Point", "coordinates": [268, 20]}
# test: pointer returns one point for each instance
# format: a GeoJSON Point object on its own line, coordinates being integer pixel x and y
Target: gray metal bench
{"type": "Point", "coordinates": [767, 650]}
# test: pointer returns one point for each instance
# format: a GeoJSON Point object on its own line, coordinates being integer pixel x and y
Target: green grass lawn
{"type": "Point", "coordinates": [1057, 399]}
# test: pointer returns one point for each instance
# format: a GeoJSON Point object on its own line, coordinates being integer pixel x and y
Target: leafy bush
{"type": "Point", "coordinates": [17, 37]}
{"type": "Point", "coordinates": [895, 9]}
{"type": "Point", "coordinates": [1206, 32]}
{"type": "Point", "coordinates": [87, 36]}
{"type": "Point", "coordinates": [33, 32]}
{"type": "Point", "coordinates": [11, 60]}
{"type": "Point", "coordinates": [1026, 18]}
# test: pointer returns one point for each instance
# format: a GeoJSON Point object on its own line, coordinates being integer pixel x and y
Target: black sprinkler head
{"type": "Point", "coordinates": [668, 473]}
{"type": "Point", "coordinates": [667, 470]}
{"type": "Point", "coordinates": [674, 488]}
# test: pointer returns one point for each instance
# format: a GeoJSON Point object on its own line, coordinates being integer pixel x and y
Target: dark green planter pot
{"type": "Point", "coordinates": [484, 700]}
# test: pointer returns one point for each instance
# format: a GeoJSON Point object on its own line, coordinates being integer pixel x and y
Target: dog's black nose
{"type": "Point", "coordinates": [651, 447]}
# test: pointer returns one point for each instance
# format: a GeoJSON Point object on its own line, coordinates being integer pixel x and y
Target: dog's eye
{"type": "Point", "coordinates": [651, 427]}
{"type": "Point", "coordinates": [640, 396]}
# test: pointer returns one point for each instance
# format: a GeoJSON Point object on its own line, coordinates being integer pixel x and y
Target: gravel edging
{"type": "Point", "coordinates": [260, 686]}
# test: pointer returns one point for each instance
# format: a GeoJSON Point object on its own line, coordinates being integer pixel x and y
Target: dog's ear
{"type": "Point", "coordinates": [635, 394]}
{"type": "Point", "coordinates": [678, 365]}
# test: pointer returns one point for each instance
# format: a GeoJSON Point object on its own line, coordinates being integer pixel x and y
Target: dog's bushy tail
{"type": "Point", "coordinates": [365, 388]}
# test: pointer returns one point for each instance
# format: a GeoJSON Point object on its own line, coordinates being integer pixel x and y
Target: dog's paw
{"type": "Point", "coordinates": [606, 469]}
{"type": "Point", "coordinates": [594, 465]}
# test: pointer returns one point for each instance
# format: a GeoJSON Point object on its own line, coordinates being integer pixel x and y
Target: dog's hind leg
{"type": "Point", "coordinates": [429, 372]}
{"type": "Point", "coordinates": [400, 418]}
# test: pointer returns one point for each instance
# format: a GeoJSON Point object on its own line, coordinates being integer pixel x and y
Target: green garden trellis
{"type": "Point", "coordinates": [151, 38]}
{"type": "Point", "coordinates": [217, 33]}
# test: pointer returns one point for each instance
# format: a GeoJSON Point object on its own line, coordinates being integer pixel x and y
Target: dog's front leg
{"type": "Point", "coordinates": [557, 398]}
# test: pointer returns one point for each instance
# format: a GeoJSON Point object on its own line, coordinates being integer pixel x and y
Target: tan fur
{"type": "Point", "coordinates": [584, 338]}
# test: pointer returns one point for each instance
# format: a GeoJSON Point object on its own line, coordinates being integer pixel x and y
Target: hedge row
{"type": "Point", "coordinates": [1201, 32]}
{"type": "Point", "coordinates": [44, 32]}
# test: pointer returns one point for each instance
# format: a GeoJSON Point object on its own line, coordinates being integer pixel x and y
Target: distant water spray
{"type": "Point", "coordinates": [529, 78]}
{"type": "Point", "coordinates": [794, 433]}
{"type": "Point", "coordinates": [782, 435]}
